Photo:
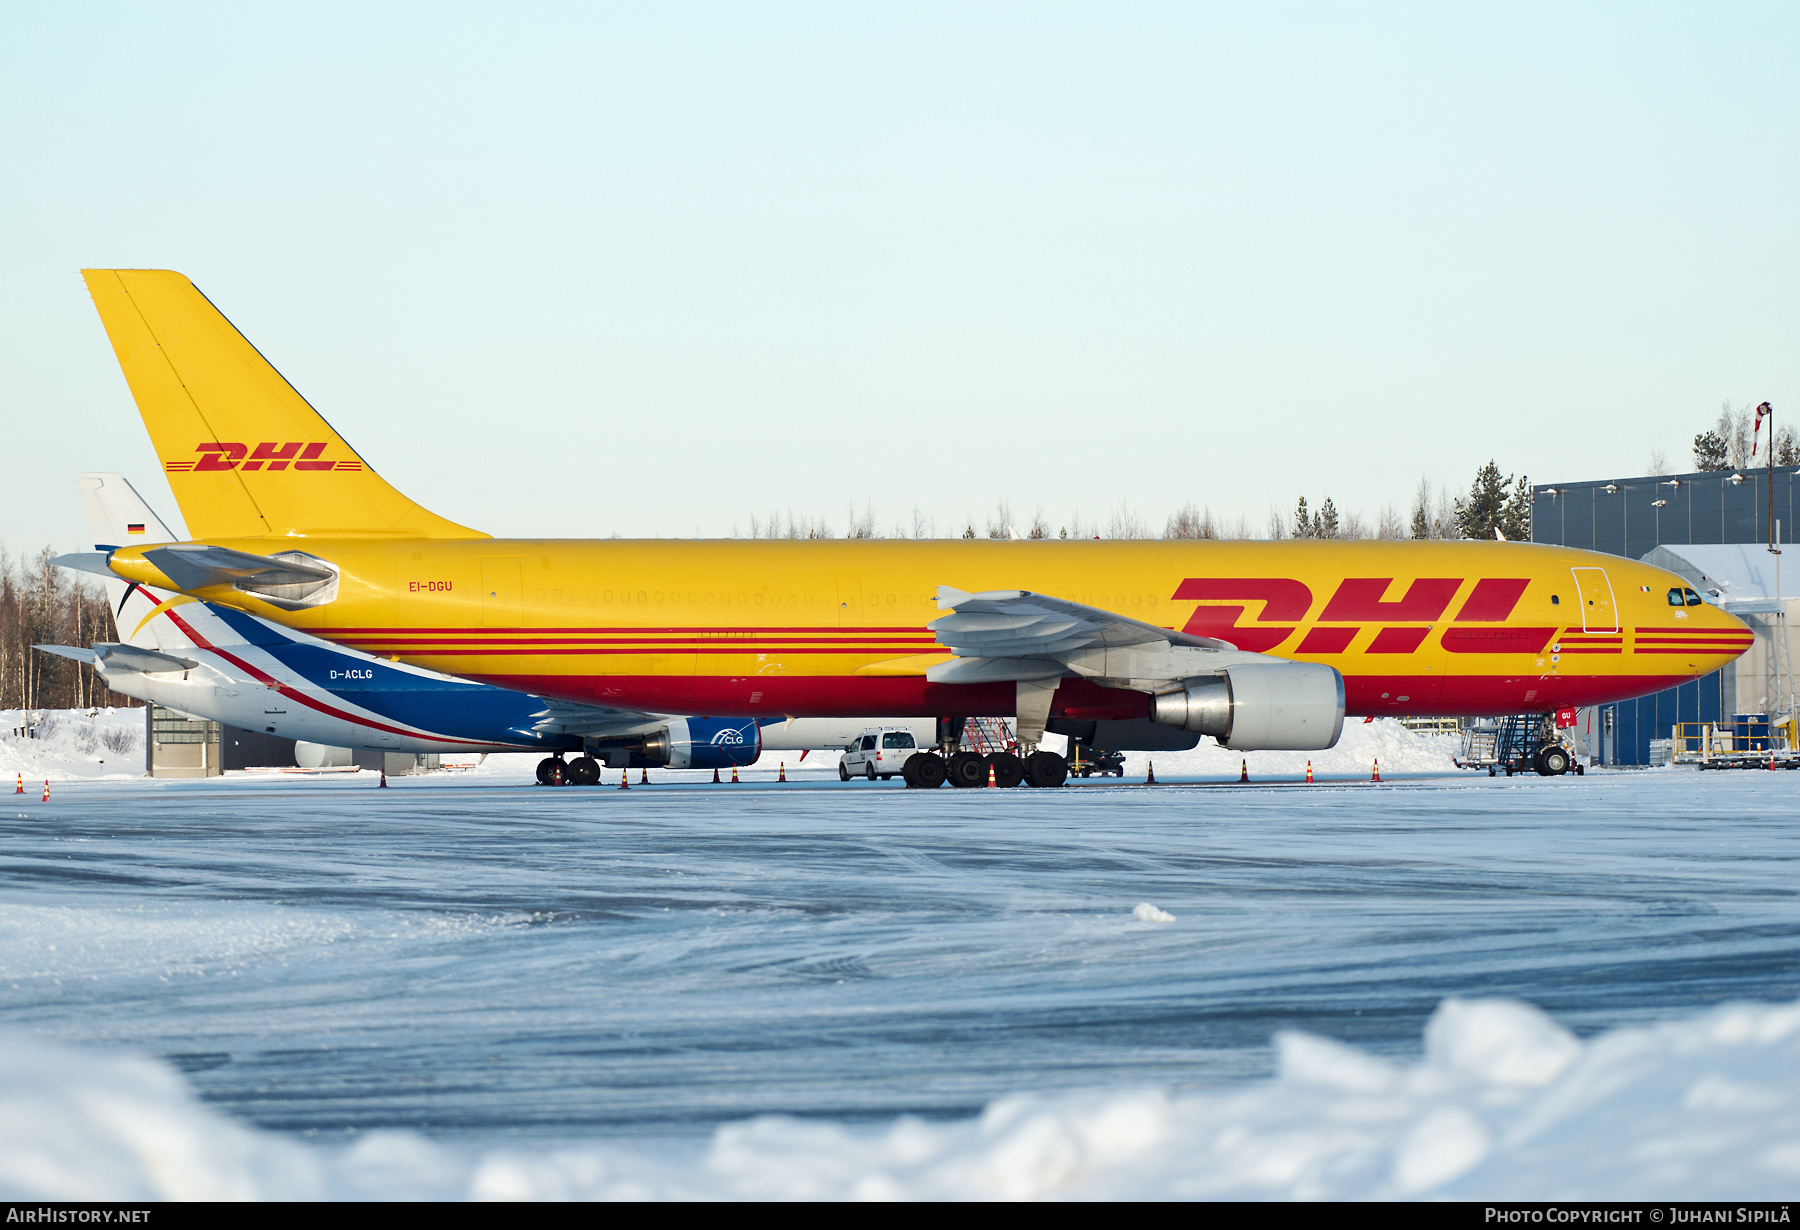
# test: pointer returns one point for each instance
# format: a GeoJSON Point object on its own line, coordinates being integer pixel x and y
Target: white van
{"type": "Point", "coordinates": [879, 751]}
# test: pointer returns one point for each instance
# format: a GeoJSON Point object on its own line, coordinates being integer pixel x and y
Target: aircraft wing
{"type": "Point", "coordinates": [1016, 634]}
{"type": "Point", "coordinates": [562, 717]}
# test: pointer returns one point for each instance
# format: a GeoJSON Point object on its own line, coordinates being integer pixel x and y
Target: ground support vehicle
{"type": "Point", "coordinates": [1517, 743]}
{"type": "Point", "coordinates": [1090, 762]}
{"type": "Point", "coordinates": [879, 752]}
{"type": "Point", "coordinates": [1749, 741]}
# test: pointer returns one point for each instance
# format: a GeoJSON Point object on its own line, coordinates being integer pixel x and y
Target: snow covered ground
{"type": "Point", "coordinates": [1505, 1104]}
{"type": "Point", "coordinates": [466, 985]}
{"type": "Point", "coordinates": [71, 744]}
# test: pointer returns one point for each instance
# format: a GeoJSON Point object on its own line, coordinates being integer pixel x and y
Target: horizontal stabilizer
{"type": "Point", "coordinates": [75, 652]}
{"type": "Point", "coordinates": [291, 580]}
{"type": "Point", "coordinates": [131, 657]}
{"type": "Point", "coordinates": [86, 561]}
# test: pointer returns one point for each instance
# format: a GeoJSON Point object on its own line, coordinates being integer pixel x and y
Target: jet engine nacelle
{"type": "Point", "coordinates": [1288, 707]}
{"type": "Point", "coordinates": [705, 743]}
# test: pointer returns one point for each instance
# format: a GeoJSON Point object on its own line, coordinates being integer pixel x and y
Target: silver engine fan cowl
{"type": "Point", "coordinates": [1285, 706]}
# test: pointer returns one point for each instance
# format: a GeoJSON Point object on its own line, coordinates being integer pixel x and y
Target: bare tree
{"type": "Point", "coordinates": [1735, 428]}
{"type": "Point", "coordinates": [1659, 462]}
{"type": "Point", "coordinates": [1123, 523]}
{"type": "Point", "coordinates": [1391, 526]}
{"type": "Point", "coordinates": [1189, 522]}
{"type": "Point", "coordinates": [862, 525]}
{"type": "Point", "coordinates": [1277, 524]}
{"type": "Point", "coordinates": [1039, 527]}
{"type": "Point", "coordinates": [1000, 525]}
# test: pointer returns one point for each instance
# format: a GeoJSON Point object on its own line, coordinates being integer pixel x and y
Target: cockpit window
{"type": "Point", "coordinates": [1678, 597]}
{"type": "Point", "coordinates": [1693, 599]}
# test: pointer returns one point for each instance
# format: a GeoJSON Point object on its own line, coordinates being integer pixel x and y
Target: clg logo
{"type": "Point", "coordinates": [216, 458]}
{"type": "Point", "coordinates": [729, 737]}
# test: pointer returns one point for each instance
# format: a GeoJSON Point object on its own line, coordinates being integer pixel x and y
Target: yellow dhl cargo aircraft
{"type": "Point", "coordinates": [1125, 644]}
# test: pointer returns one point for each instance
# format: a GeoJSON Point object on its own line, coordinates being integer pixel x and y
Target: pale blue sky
{"type": "Point", "coordinates": [652, 269]}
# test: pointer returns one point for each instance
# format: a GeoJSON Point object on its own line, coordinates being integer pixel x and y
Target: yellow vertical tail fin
{"type": "Point", "coordinates": [246, 455]}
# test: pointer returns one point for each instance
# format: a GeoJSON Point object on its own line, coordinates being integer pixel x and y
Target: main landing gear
{"type": "Point", "coordinates": [581, 771]}
{"type": "Point", "coordinates": [969, 770]}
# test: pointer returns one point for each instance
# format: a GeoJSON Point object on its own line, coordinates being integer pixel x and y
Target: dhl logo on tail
{"type": "Point", "coordinates": [229, 456]}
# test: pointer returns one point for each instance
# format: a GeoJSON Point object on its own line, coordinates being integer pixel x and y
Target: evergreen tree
{"type": "Point", "coordinates": [1327, 524]}
{"type": "Point", "coordinates": [1787, 448]}
{"type": "Point", "coordinates": [1303, 527]}
{"type": "Point", "coordinates": [1709, 451]}
{"type": "Point", "coordinates": [1421, 517]}
{"type": "Point", "coordinates": [1515, 519]}
{"type": "Point", "coordinates": [1484, 510]}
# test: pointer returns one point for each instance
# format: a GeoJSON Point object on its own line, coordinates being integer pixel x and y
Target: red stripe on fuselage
{"type": "Point", "coordinates": [292, 694]}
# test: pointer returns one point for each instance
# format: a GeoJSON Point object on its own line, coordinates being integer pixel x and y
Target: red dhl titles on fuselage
{"type": "Point", "coordinates": [839, 627]}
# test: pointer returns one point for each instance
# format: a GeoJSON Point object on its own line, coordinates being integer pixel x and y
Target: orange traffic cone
{"type": "Point", "coordinates": [1244, 770]}
{"type": "Point", "coordinates": [734, 775]}
{"type": "Point", "coordinates": [46, 791]}
{"type": "Point", "coordinates": [1150, 777]}
{"type": "Point", "coordinates": [783, 776]}
{"type": "Point", "coordinates": [992, 783]}
{"type": "Point", "coordinates": [21, 789]}
{"type": "Point", "coordinates": [1376, 775]}
{"type": "Point", "coordinates": [383, 779]}
{"type": "Point", "coordinates": [1771, 762]}
{"type": "Point", "coordinates": [624, 779]}
{"type": "Point", "coordinates": [1309, 772]}
{"type": "Point", "coordinates": [644, 776]}
{"type": "Point", "coordinates": [715, 775]}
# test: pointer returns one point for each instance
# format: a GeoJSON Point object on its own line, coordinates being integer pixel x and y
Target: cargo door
{"type": "Point", "coordinates": [502, 592]}
{"type": "Point", "coordinates": [1598, 613]}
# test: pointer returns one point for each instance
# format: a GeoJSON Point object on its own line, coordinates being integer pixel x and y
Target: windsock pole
{"type": "Point", "coordinates": [1376, 775]}
{"type": "Point", "coordinates": [1309, 780]}
{"type": "Point", "coordinates": [1244, 770]}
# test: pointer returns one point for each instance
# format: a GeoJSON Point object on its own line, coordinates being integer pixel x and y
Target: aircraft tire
{"type": "Point", "coordinates": [968, 769]}
{"type": "Point", "coordinates": [1009, 770]}
{"type": "Point", "coordinates": [549, 771]}
{"type": "Point", "coordinates": [924, 770]}
{"type": "Point", "coordinates": [1552, 762]}
{"type": "Point", "coordinates": [584, 771]}
{"type": "Point", "coordinates": [1046, 770]}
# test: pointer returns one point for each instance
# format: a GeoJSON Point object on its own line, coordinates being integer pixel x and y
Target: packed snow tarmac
{"type": "Point", "coordinates": [465, 985]}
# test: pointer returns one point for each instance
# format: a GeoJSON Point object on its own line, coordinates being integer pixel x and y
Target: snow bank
{"type": "Point", "coordinates": [1504, 1104]}
{"type": "Point", "coordinates": [1399, 749]}
{"type": "Point", "coordinates": [72, 744]}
